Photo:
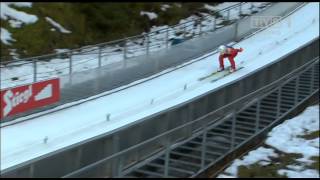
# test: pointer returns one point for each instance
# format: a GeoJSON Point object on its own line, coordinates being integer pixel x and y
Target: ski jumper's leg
{"type": "Point", "coordinates": [231, 59]}
{"type": "Point", "coordinates": [221, 61]}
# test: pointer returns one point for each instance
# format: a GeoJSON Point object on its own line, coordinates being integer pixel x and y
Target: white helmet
{"type": "Point", "coordinates": [222, 48]}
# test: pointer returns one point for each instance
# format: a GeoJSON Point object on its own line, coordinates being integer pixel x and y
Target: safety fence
{"type": "Point", "coordinates": [96, 56]}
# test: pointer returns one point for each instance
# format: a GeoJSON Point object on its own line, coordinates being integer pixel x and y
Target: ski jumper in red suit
{"type": "Point", "coordinates": [230, 53]}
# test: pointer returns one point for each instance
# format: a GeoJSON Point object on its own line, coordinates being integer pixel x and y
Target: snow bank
{"type": "Point", "coordinates": [219, 6]}
{"type": "Point", "coordinates": [61, 50]}
{"type": "Point", "coordinates": [57, 25]}
{"type": "Point", "coordinates": [164, 7]}
{"type": "Point", "coordinates": [210, 8]}
{"type": "Point", "coordinates": [225, 176]}
{"type": "Point", "coordinates": [14, 54]}
{"type": "Point", "coordinates": [260, 154]}
{"type": "Point", "coordinates": [309, 173]}
{"type": "Point", "coordinates": [285, 137]}
{"type": "Point", "coordinates": [7, 12]}
{"type": "Point", "coordinates": [151, 15]}
{"type": "Point", "coordinates": [15, 24]}
{"type": "Point", "coordinates": [6, 36]}
{"type": "Point", "coordinates": [22, 4]}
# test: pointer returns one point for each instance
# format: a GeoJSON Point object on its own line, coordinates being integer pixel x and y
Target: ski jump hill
{"type": "Point", "coordinates": [110, 110]}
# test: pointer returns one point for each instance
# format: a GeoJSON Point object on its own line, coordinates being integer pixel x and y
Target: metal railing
{"type": "Point", "coordinates": [129, 47]}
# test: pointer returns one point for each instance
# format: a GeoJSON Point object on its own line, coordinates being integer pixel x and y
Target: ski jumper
{"type": "Point", "coordinates": [230, 53]}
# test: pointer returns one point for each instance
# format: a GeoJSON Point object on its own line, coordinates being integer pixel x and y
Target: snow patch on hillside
{"type": "Point", "coordinates": [164, 7]}
{"type": "Point", "coordinates": [151, 15]}
{"type": "Point", "coordinates": [22, 4]}
{"type": "Point", "coordinates": [57, 25]}
{"type": "Point", "coordinates": [7, 12]}
{"type": "Point", "coordinates": [5, 36]}
{"type": "Point", "coordinates": [286, 138]}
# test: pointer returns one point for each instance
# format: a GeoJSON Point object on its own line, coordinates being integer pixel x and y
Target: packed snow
{"type": "Point", "coordinates": [19, 144]}
{"type": "Point", "coordinates": [21, 73]}
{"type": "Point", "coordinates": [286, 138]}
{"type": "Point", "coordinates": [57, 25]}
{"type": "Point", "coordinates": [5, 36]}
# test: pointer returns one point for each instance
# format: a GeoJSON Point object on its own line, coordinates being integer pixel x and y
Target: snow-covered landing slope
{"type": "Point", "coordinates": [24, 141]}
{"type": "Point", "coordinates": [291, 132]}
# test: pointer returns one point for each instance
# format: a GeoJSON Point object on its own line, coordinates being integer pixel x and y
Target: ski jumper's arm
{"type": "Point", "coordinates": [239, 50]}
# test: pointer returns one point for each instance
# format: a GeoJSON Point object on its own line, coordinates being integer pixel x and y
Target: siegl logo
{"type": "Point", "coordinates": [14, 99]}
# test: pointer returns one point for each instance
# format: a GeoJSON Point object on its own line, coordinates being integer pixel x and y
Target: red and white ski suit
{"type": "Point", "coordinates": [231, 53]}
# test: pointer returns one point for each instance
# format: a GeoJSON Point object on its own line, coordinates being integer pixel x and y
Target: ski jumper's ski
{"type": "Point", "coordinates": [226, 74]}
{"type": "Point", "coordinates": [217, 72]}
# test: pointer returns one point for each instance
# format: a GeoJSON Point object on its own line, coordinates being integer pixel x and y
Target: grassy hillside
{"type": "Point", "coordinates": [90, 23]}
